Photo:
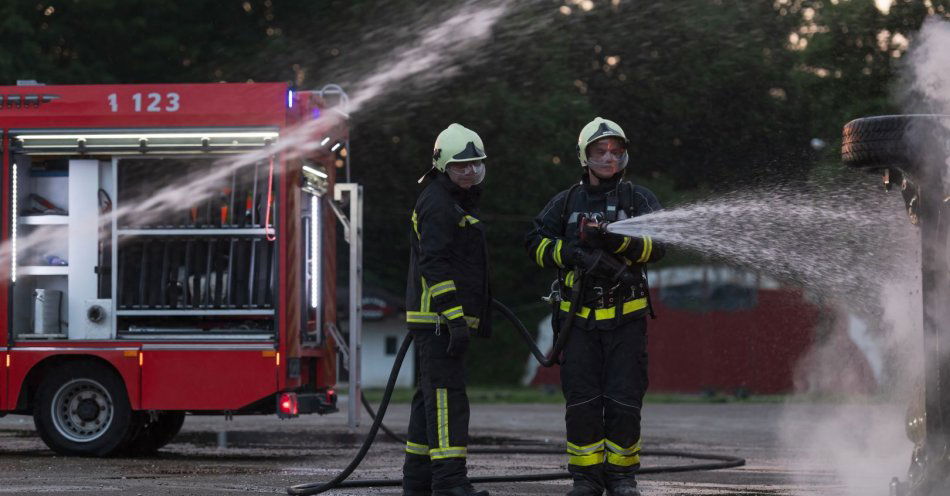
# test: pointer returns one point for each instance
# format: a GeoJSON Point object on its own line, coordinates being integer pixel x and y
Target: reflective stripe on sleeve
{"type": "Point", "coordinates": [442, 288]}
{"type": "Point", "coordinates": [539, 253]}
{"type": "Point", "coordinates": [557, 253]}
{"type": "Point", "coordinates": [647, 249]}
{"type": "Point", "coordinates": [454, 313]}
{"type": "Point", "coordinates": [624, 245]}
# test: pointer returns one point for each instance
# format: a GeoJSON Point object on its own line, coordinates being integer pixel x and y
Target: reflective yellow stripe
{"type": "Point", "coordinates": [422, 317]}
{"type": "Point", "coordinates": [557, 254]}
{"type": "Point", "coordinates": [467, 220]}
{"type": "Point", "coordinates": [539, 253]}
{"type": "Point", "coordinates": [615, 448]}
{"type": "Point", "coordinates": [442, 417]}
{"type": "Point", "coordinates": [587, 460]}
{"type": "Point", "coordinates": [450, 452]}
{"type": "Point", "coordinates": [624, 245]}
{"type": "Point", "coordinates": [647, 249]}
{"type": "Point", "coordinates": [585, 450]}
{"type": "Point", "coordinates": [426, 297]}
{"type": "Point", "coordinates": [415, 224]}
{"type": "Point", "coordinates": [608, 313]}
{"type": "Point", "coordinates": [621, 460]}
{"type": "Point", "coordinates": [442, 288]}
{"type": "Point", "coordinates": [417, 449]}
{"type": "Point", "coordinates": [454, 313]}
{"type": "Point", "coordinates": [433, 318]}
{"type": "Point", "coordinates": [569, 280]}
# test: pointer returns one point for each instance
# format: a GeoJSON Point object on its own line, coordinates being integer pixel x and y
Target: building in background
{"type": "Point", "coordinates": [384, 327]}
{"type": "Point", "coordinates": [720, 329]}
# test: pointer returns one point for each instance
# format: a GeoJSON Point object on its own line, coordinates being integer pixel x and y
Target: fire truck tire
{"type": "Point", "coordinates": [895, 141]}
{"type": "Point", "coordinates": [153, 434]}
{"type": "Point", "coordinates": [83, 409]}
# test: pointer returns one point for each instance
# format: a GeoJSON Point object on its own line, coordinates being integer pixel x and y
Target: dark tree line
{"type": "Point", "coordinates": [712, 93]}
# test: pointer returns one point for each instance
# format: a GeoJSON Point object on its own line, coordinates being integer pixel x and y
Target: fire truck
{"type": "Point", "coordinates": [169, 248]}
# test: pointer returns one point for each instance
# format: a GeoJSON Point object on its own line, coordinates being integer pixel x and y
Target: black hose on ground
{"type": "Point", "coordinates": [319, 487]}
{"type": "Point", "coordinates": [718, 461]}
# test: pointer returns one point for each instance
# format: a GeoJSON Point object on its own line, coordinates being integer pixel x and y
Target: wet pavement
{"type": "Point", "coordinates": [794, 449]}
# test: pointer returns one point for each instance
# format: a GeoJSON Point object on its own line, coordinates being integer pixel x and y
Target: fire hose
{"type": "Point", "coordinates": [714, 461]}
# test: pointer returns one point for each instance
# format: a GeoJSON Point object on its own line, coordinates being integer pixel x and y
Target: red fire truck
{"type": "Point", "coordinates": [166, 249]}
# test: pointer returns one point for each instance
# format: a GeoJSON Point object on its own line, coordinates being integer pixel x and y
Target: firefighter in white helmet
{"type": "Point", "coordinates": [604, 366]}
{"type": "Point", "coordinates": [447, 299]}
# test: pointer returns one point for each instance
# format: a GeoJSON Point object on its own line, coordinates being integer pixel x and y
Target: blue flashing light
{"type": "Point", "coordinates": [315, 113]}
{"type": "Point", "coordinates": [290, 98]}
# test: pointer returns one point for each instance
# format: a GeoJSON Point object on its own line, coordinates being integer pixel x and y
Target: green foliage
{"type": "Point", "coordinates": [712, 93]}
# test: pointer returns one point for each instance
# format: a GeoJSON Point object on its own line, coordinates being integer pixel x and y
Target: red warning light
{"type": "Point", "coordinates": [287, 405]}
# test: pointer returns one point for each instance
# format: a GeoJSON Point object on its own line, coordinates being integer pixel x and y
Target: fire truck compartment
{"type": "Point", "coordinates": [108, 251]}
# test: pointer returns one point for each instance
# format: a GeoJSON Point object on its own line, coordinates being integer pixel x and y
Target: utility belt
{"type": "Point", "coordinates": [601, 294]}
{"type": "Point", "coordinates": [602, 302]}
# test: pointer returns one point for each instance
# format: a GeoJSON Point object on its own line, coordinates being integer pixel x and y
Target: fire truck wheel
{"type": "Point", "coordinates": [155, 431]}
{"type": "Point", "coordinates": [82, 408]}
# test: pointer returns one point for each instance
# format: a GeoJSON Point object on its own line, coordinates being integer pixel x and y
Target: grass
{"type": "Point", "coordinates": [507, 394]}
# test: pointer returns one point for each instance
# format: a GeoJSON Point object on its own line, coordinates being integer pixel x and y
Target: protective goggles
{"type": "Point", "coordinates": [471, 170]}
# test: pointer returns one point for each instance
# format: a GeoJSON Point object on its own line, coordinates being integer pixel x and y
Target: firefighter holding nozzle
{"type": "Point", "coordinates": [447, 299]}
{"type": "Point", "coordinates": [601, 282]}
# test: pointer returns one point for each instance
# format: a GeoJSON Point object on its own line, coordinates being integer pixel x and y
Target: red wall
{"type": "Point", "coordinates": [755, 349]}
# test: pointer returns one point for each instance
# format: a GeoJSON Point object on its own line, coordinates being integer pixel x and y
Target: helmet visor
{"type": "Point", "coordinates": [607, 162]}
{"type": "Point", "coordinates": [466, 174]}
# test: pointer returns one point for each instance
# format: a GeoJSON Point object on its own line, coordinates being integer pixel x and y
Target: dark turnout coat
{"type": "Point", "coordinates": [448, 259]}
{"type": "Point", "coordinates": [557, 226]}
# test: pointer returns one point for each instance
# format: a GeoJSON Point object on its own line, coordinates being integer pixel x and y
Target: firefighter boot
{"type": "Point", "coordinates": [464, 490]}
{"type": "Point", "coordinates": [625, 489]}
{"type": "Point", "coordinates": [416, 492]}
{"type": "Point", "coordinates": [585, 488]}
{"type": "Point", "coordinates": [621, 484]}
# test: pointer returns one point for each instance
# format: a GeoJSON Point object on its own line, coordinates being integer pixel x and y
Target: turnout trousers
{"type": "Point", "coordinates": [604, 378]}
{"type": "Point", "coordinates": [438, 421]}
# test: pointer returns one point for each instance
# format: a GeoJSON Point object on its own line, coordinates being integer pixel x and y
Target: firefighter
{"type": "Point", "coordinates": [604, 362]}
{"type": "Point", "coordinates": [447, 299]}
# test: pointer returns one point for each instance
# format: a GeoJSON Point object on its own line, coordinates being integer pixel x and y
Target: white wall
{"type": "Point", "coordinates": [376, 363]}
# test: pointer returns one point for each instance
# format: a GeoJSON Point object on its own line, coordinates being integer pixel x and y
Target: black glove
{"type": "Point", "coordinates": [593, 236]}
{"type": "Point", "coordinates": [572, 253]}
{"type": "Point", "coordinates": [459, 335]}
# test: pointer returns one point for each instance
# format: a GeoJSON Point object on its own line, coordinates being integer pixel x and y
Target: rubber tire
{"type": "Point", "coordinates": [895, 141]}
{"type": "Point", "coordinates": [119, 429]}
{"type": "Point", "coordinates": [152, 436]}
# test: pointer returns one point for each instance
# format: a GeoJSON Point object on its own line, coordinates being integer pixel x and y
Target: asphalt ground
{"type": "Point", "coordinates": [790, 449]}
